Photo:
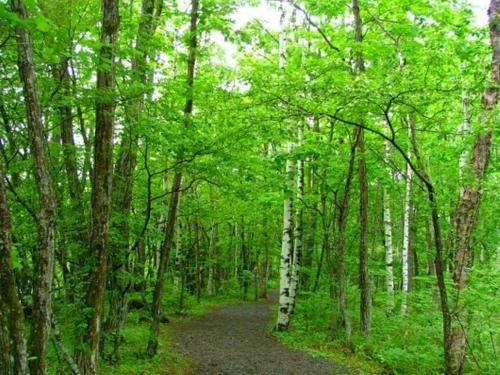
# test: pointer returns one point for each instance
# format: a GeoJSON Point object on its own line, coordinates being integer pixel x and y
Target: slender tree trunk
{"type": "Point", "coordinates": [76, 232]}
{"type": "Point", "coordinates": [67, 137]}
{"type": "Point", "coordinates": [162, 266]}
{"type": "Point", "coordinates": [88, 355]}
{"type": "Point", "coordinates": [197, 259]}
{"type": "Point", "coordinates": [212, 260]}
{"type": "Point", "coordinates": [178, 246]}
{"type": "Point", "coordinates": [123, 180]}
{"type": "Point", "coordinates": [438, 244]}
{"type": "Point", "coordinates": [388, 234]}
{"type": "Point", "coordinates": [470, 197]}
{"type": "Point", "coordinates": [286, 248]}
{"type": "Point", "coordinates": [406, 233]}
{"type": "Point", "coordinates": [264, 264]}
{"type": "Point", "coordinates": [176, 185]}
{"type": "Point", "coordinates": [5, 362]}
{"type": "Point", "coordinates": [364, 282]}
{"type": "Point", "coordinates": [12, 311]}
{"type": "Point", "coordinates": [43, 258]}
{"type": "Point", "coordinates": [325, 241]}
{"type": "Point", "coordinates": [299, 222]}
{"type": "Point", "coordinates": [286, 241]}
{"type": "Point", "coordinates": [340, 242]}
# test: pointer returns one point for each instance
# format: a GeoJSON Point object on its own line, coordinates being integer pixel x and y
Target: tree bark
{"type": "Point", "coordinates": [364, 282]}
{"type": "Point", "coordinates": [343, 209]}
{"type": "Point", "coordinates": [406, 231]}
{"type": "Point", "coordinates": [88, 355]}
{"type": "Point", "coordinates": [12, 311]}
{"type": "Point", "coordinates": [76, 232]}
{"type": "Point", "coordinates": [389, 251]}
{"type": "Point", "coordinates": [299, 224]}
{"type": "Point", "coordinates": [123, 179]}
{"type": "Point", "coordinates": [179, 256]}
{"type": "Point", "coordinates": [212, 260]}
{"type": "Point", "coordinates": [467, 211]}
{"type": "Point", "coordinates": [286, 248]}
{"type": "Point", "coordinates": [43, 258]}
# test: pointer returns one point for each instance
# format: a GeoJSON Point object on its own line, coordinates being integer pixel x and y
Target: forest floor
{"type": "Point", "coordinates": [236, 340]}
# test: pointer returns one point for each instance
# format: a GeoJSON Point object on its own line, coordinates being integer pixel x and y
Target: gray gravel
{"type": "Point", "coordinates": [235, 340]}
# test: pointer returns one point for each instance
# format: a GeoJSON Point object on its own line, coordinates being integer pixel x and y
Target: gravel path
{"type": "Point", "coordinates": [235, 340]}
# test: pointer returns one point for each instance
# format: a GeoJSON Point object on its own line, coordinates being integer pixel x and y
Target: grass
{"type": "Point", "coordinates": [133, 360]}
{"type": "Point", "coordinates": [310, 331]}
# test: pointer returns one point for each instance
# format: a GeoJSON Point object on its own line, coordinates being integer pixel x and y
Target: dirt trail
{"type": "Point", "coordinates": [235, 340]}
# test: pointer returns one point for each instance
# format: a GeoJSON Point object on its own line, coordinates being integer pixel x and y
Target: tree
{"type": "Point", "coordinates": [466, 215]}
{"type": "Point", "coordinates": [176, 186]}
{"type": "Point", "coordinates": [43, 259]}
{"type": "Point", "coordinates": [88, 356]}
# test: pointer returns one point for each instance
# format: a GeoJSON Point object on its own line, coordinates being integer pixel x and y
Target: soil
{"type": "Point", "coordinates": [237, 340]}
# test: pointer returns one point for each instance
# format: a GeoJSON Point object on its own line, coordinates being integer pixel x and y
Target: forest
{"type": "Point", "coordinates": [249, 187]}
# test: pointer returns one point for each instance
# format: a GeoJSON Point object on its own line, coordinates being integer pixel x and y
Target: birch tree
{"type": "Point", "coordinates": [406, 234]}
{"type": "Point", "coordinates": [287, 238]}
{"type": "Point", "coordinates": [388, 230]}
{"type": "Point", "coordinates": [299, 223]}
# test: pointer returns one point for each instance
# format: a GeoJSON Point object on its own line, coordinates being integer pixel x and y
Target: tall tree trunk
{"type": "Point", "coordinates": [88, 355]}
{"type": "Point", "coordinates": [165, 247]}
{"type": "Point", "coordinates": [43, 258]}
{"type": "Point", "coordinates": [299, 223]}
{"type": "Point", "coordinates": [438, 244]}
{"type": "Point", "coordinates": [67, 137]}
{"type": "Point", "coordinates": [197, 259]}
{"type": "Point", "coordinates": [406, 234]}
{"type": "Point", "coordinates": [76, 233]}
{"type": "Point", "coordinates": [364, 282]}
{"type": "Point", "coordinates": [470, 197]}
{"type": "Point", "coordinates": [286, 248]}
{"type": "Point", "coordinates": [264, 264]}
{"type": "Point", "coordinates": [179, 256]}
{"type": "Point", "coordinates": [176, 185]}
{"type": "Point", "coordinates": [123, 179]}
{"type": "Point", "coordinates": [286, 241]}
{"type": "Point", "coordinates": [212, 259]}
{"type": "Point", "coordinates": [388, 233]}
{"type": "Point", "coordinates": [340, 241]}
{"type": "Point", "coordinates": [5, 362]}
{"type": "Point", "coordinates": [12, 311]}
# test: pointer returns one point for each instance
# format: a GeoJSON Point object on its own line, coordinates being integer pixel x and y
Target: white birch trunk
{"type": "Point", "coordinates": [388, 231]}
{"type": "Point", "coordinates": [298, 233]}
{"type": "Point", "coordinates": [286, 248]}
{"type": "Point", "coordinates": [406, 235]}
{"type": "Point", "coordinates": [286, 242]}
